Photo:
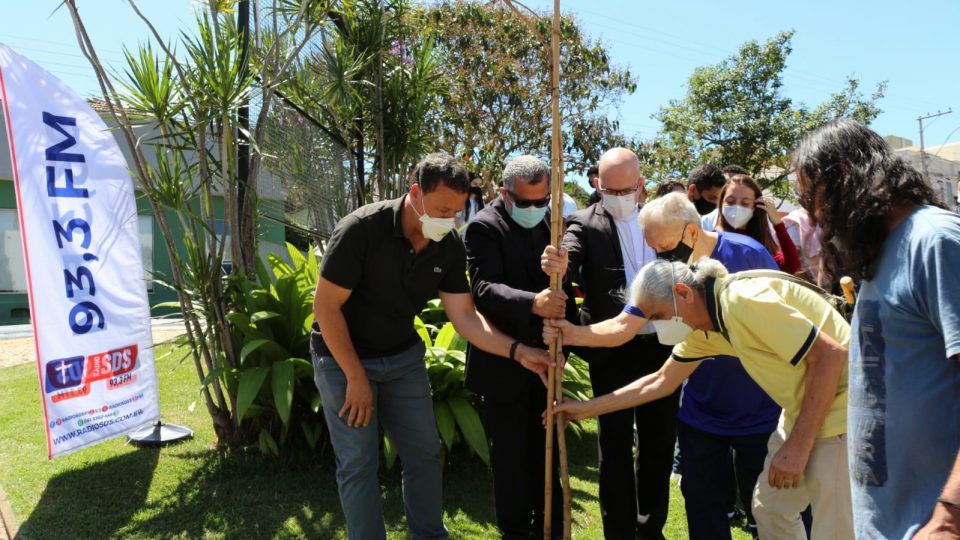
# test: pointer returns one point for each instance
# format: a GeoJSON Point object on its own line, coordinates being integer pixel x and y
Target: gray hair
{"type": "Point", "coordinates": [528, 169]}
{"type": "Point", "coordinates": [670, 209]}
{"type": "Point", "coordinates": [654, 282]}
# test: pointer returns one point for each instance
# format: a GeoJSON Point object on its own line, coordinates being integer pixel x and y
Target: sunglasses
{"type": "Point", "coordinates": [525, 203]}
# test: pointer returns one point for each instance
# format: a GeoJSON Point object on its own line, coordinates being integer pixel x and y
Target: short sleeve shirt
{"type": "Point", "coordinates": [390, 283]}
{"type": "Point", "coordinates": [772, 324]}
{"type": "Point", "coordinates": [905, 378]}
{"type": "Point", "coordinates": [720, 397]}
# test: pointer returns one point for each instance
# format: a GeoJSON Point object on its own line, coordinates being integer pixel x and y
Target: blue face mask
{"type": "Point", "coordinates": [528, 218]}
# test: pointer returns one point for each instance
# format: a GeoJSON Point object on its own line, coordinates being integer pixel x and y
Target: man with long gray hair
{"type": "Point", "coordinates": [503, 244]}
{"type": "Point", "coordinates": [793, 343]}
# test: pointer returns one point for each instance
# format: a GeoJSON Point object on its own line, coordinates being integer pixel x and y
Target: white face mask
{"type": "Point", "coordinates": [737, 215]}
{"type": "Point", "coordinates": [621, 207]}
{"type": "Point", "coordinates": [673, 330]}
{"type": "Point", "coordinates": [434, 228]}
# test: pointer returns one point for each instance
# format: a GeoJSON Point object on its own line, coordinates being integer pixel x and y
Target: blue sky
{"type": "Point", "coordinates": [912, 45]}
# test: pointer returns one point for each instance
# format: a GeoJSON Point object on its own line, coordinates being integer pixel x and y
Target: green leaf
{"type": "Point", "coordinates": [422, 331]}
{"type": "Point", "coordinates": [445, 337]}
{"type": "Point", "coordinates": [238, 318]}
{"type": "Point", "coordinates": [210, 377]}
{"type": "Point", "coordinates": [250, 382]}
{"type": "Point", "coordinates": [303, 367]}
{"type": "Point", "coordinates": [315, 403]}
{"type": "Point", "coordinates": [175, 305]}
{"type": "Point", "coordinates": [469, 422]}
{"type": "Point", "coordinates": [389, 452]}
{"type": "Point", "coordinates": [446, 424]}
{"type": "Point", "coordinates": [270, 348]}
{"type": "Point", "coordinates": [312, 432]}
{"type": "Point", "coordinates": [263, 275]}
{"type": "Point", "coordinates": [312, 267]}
{"type": "Point", "coordinates": [296, 256]}
{"type": "Point", "coordinates": [263, 316]}
{"type": "Point", "coordinates": [281, 380]}
{"type": "Point", "coordinates": [268, 444]}
{"type": "Point", "coordinates": [251, 346]}
{"type": "Point", "coordinates": [456, 357]}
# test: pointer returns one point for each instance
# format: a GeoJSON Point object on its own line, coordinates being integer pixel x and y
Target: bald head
{"type": "Point", "coordinates": [619, 169]}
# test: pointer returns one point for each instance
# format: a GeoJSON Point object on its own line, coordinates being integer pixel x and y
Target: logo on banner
{"type": "Point", "coordinates": [64, 373]}
{"type": "Point", "coordinates": [69, 378]}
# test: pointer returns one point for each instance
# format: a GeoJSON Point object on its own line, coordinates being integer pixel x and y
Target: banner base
{"type": "Point", "coordinates": [159, 434]}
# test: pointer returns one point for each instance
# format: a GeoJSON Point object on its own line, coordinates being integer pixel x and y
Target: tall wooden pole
{"type": "Point", "coordinates": [555, 378]}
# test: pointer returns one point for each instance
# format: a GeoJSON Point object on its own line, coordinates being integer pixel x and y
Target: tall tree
{"type": "Point", "coordinates": [498, 103]}
{"type": "Point", "coordinates": [736, 112]}
{"type": "Point", "coordinates": [373, 89]}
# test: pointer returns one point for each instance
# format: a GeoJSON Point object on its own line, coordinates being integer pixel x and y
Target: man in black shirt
{"type": "Point", "coordinates": [382, 264]}
{"type": "Point", "coordinates": [503, 246]}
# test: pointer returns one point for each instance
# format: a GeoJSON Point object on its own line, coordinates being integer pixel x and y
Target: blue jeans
{"type": "Point", "coordinates": [403, 405]}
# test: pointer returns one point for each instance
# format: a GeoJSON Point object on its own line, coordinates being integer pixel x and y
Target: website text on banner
{"type": "Point", "coordinates": [88, 298]}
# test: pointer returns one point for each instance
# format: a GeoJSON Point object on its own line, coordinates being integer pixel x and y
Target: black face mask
{"type": "Point", "coordinates": [476, 191]}
{"type": "Point", "coordinates": [704, 206]}
{"type": "Point", "coordinates": [681, 253]}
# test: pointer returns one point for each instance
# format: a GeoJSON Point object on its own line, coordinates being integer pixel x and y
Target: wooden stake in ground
{"type": "Point", "coordinates": [555, 378]}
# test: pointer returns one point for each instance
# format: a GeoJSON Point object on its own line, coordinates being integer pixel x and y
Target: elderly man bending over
{"type": "Point", "coordinates": [793, 344]}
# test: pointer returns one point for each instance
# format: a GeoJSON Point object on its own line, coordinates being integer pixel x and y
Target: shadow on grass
{"type": "Point", "coordinates": [241, 495]}
{"type": "Point", "coordinates": [95, 501]}
{"type": "Point", "coordinates": [244, 495]}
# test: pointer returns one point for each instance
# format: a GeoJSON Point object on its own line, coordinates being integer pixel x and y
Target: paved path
{"type": "Point", "coordinates": [8, 523]}
{"type": "Point", "coordinates": [17, 347]}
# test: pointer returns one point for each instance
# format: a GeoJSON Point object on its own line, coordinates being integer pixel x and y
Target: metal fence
{"type": "Point", "coordinates": [305, 180]}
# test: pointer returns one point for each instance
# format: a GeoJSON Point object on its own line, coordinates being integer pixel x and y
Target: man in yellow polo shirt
{"type": "Point", "coordinates": [793, 343]}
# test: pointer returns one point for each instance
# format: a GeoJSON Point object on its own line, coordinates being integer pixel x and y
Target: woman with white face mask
{"type": "Point", "coordinates": [792, 343]}
{"type": "Point", "coordinates": [744, 210]}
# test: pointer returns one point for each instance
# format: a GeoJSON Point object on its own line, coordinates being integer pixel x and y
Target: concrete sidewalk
{"type": "Point", "coordinates": [8, 523]}
{"type": "Point", "coordinates": [17, 347]}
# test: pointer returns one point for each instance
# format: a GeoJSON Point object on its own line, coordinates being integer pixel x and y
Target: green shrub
{"type": "Point", "coordinates": [276, 397]}
{"type": "Point", "coordinates": [270, 326]}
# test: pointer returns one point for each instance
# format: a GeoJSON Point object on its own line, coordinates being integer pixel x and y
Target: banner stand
{"type": "Point", "coordinates": [159, 434]}
{"type": "Point", "coordinates": [89, 306]}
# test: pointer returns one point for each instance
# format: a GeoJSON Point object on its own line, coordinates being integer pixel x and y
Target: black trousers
{"type": "Point", "coordinates": [637, 483]}
{"type": "Point", "coordinates": [707, 479]}
{"type": "Point", "coordinates": [517, 456]}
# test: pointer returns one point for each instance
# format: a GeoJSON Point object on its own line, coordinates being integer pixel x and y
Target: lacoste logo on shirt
{"type": "Point", "coordinates": [437, 269]}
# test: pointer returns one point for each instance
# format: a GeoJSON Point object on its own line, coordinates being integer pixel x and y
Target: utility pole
{"type": "Point", "coordinates": [923, 156]}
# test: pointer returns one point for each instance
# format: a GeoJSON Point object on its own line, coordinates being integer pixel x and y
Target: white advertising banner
{"type": "Point", "coordinates": [88, 298]}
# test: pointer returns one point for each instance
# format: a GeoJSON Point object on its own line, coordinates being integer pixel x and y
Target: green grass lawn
{"type": "Point", "coordinates": [192, 490]}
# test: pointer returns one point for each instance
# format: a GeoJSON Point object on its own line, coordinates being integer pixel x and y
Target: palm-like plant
{"type": "Point", "coordinates": [186, 107]}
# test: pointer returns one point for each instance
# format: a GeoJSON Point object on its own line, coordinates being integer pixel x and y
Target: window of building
{"type": "Point", "coordinates": [145, 227]}
{"type": "Point", "coordinates": [13, 274]}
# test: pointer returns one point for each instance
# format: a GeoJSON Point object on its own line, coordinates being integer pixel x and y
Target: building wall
{"type": "Point", "coordinates": [942, 174]}
{"type": "Point", "coordinates": [14, 304]}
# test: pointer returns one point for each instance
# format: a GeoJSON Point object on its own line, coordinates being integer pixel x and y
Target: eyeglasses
{"type": "Point", "coordinates": [525, 203]}
{"type": "Point", "coordinates": [619, 192]}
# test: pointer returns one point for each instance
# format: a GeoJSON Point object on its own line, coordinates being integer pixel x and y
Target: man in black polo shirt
{"type": "Point", "coordinates": [382, 264]}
